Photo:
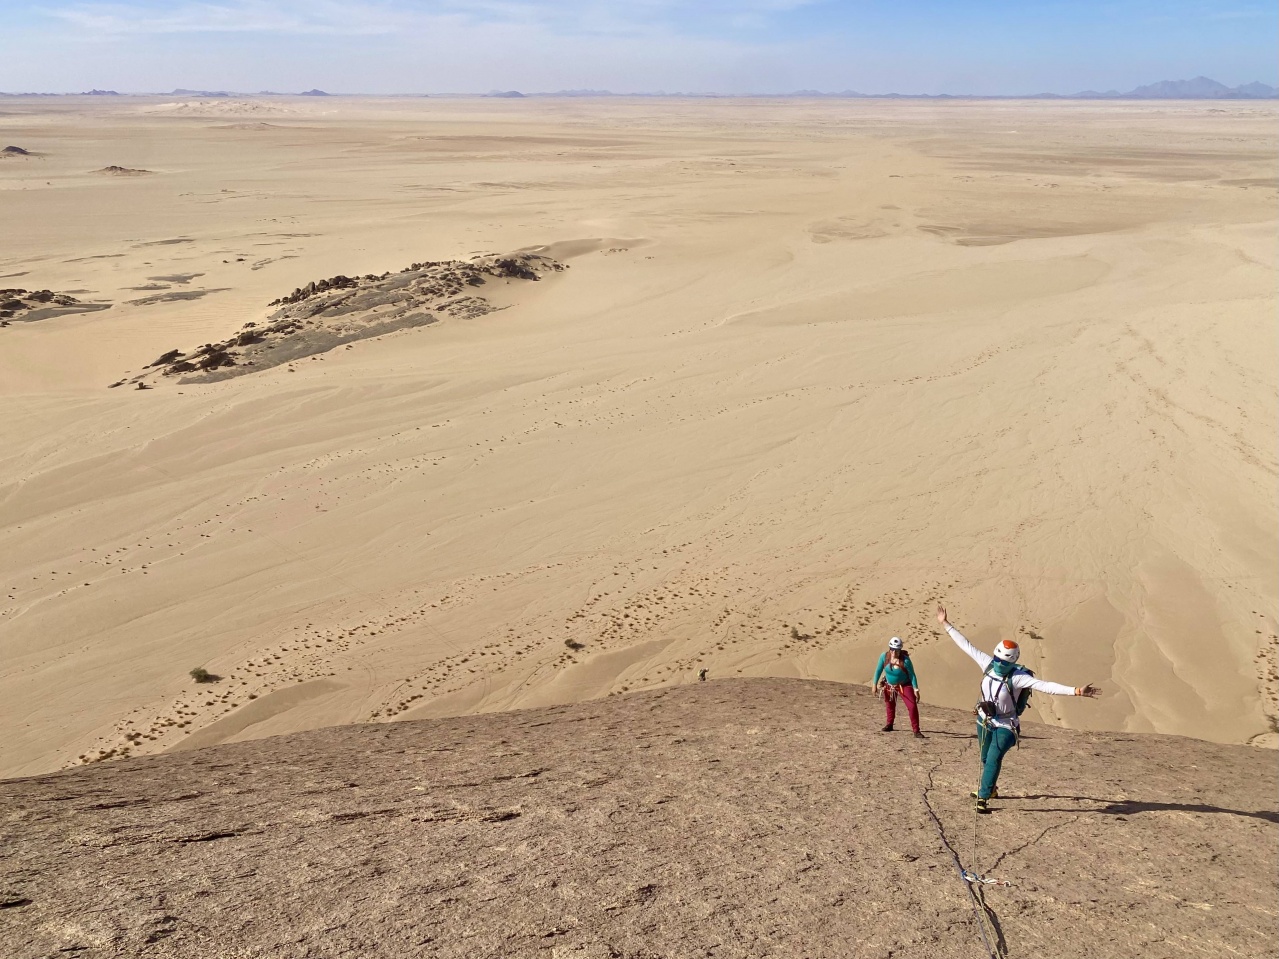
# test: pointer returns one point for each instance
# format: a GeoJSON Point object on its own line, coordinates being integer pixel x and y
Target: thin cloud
{"type": "Point", "coordinates": [636, 18]}
{"type": "Point", "coordinates": [241, 16]}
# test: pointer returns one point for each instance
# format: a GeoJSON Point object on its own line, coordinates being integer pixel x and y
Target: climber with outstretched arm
{"type": "Point", "coordinates": [1005, 687]}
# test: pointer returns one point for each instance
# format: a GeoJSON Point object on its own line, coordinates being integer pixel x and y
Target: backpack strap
{"type": "Point", "coordinates": [1005, 682]}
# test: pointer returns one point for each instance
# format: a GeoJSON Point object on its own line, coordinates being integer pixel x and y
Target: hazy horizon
{"type": "Point", "coordinates": [750, 47]}
{"type": "Point", "coordinates": [579, 92]}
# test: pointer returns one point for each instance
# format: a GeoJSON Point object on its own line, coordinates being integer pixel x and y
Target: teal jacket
{"type": "Point", "coordinates": [894, 676]}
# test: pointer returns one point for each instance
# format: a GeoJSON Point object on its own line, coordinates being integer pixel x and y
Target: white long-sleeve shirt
{"type": "Point", "coordinates": [1003, 693]}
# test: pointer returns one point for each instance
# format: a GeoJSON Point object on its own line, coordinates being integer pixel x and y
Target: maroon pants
{"type": "Point", "coordinates": [890, 704]}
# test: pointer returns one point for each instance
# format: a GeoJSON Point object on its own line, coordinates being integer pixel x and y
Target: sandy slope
{"type": "Point", "coordinates": [738, 818]}
{"type": "Point", "coordinates": [815, 366]}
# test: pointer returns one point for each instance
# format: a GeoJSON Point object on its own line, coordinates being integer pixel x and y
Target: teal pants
{"type": "Point", "coordinates": [993, 741]}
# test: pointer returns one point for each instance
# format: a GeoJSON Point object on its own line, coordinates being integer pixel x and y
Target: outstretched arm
{"type": "Point", "coordinates": [1022, 681]}
{"type": "Point", "coordinates": [977, 656]}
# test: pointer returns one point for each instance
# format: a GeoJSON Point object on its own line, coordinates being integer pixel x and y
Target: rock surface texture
{"type": "Point", "coordinates": [763, 817]}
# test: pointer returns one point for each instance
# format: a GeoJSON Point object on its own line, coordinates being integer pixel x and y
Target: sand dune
{"type": "Point", "coordinates": [218, 108]}
{"type": "Point", "coordinates": [816, 366]}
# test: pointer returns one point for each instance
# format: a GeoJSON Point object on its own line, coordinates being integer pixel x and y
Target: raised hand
{"type": "Point", "coordinates": [941, 615]}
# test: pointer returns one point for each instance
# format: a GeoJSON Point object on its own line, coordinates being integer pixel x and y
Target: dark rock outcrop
{"type": "Point", "coordinates": [31, 305]}
{"type": "Point", "coordinates": [341, 309]}
{"type": "Point", "coordinates": [122, 171]}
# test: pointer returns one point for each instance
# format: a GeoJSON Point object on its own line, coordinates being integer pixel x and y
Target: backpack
{"type": "Point", "coordinates": [1023, 697]}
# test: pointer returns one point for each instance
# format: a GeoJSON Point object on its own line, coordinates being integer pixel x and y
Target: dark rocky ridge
{"type": "Point", "coordinates": [747, 818]}
{"type": "Point", "coordinates": [341, 309]}
{"type": "Point", "coordinates": [27, 306]}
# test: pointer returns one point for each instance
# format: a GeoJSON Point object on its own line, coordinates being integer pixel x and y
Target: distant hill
{"type": "Point", "coordinates": [578, 93]}
{"type": "Point", "coordinates": [1200, 88]}
{"type": "Point", "coordinates": [818, 93]}
{"type": "Point", "coordinates": [507, 94]}
{"type": "Point", "coordinates": [1257, 89]}
{"type": "Point", "coordinates": [314, 93]}
{"type": "Point", "coordinates": [182, 92]}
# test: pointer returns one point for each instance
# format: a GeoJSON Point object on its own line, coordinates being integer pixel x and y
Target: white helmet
{"type": "Point", "coordinates": [895, 643]}
{"type": "Point", "coordinates": [1007, 651]}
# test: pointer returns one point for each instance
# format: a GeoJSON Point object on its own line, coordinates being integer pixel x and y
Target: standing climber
{"type": "Point", "coordinates": [895, 676]}
{"type": "Point", "coordinates": [1005, 686]}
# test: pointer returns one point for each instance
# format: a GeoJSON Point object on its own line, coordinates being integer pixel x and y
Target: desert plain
{"type": "Point", "coordinates": [810, 368]}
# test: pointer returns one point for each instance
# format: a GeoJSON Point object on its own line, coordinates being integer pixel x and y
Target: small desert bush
{"type": "Point", "coordinates": [202, 675]}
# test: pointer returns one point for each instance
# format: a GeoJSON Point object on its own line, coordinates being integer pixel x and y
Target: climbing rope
{"type": "Point", "coordinates": [969, 875]}
{"type": "Point", "coordinates": [979, 908]}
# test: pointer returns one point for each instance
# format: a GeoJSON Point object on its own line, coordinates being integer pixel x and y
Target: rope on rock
{"type": "Point", "coordinates": [964, 874]}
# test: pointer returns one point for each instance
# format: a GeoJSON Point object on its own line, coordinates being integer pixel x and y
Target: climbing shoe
{"type": "Point", "coordinates": [981, 806]}
{"type": "Point", "coordinates": [994, 793]}
{"type": "Point", "coordinates": [887, 729]}
{"type": "Point", "coordinates": [919, 735]}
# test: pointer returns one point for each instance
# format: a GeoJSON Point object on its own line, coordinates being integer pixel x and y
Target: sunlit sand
{"type": "Point", "coordinates": [812, 367]}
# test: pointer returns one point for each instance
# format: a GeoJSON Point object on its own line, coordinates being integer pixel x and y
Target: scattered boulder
{"type": "Point", "coordinates": [122, 171]}
{"type": "Point", "coordinates": [338, 282]}
{"type": "Point", "coordinates": [513, 267]}
{"type": "Point", "coordinates": [12, 151]}
{"type": "Point", "coordinates": [215, 359]}
{"type": "Point", "coordinates": [164, 358]}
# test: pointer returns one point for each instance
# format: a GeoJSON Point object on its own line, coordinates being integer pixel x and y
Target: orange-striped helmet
{"type": "Point", "coordinates": [1007, 651]}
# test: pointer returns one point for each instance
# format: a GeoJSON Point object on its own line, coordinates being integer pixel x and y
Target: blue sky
{"type": "Point", "coordinates": [746, 46]}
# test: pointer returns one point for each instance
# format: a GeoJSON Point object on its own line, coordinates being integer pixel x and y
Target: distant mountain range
{"type": "Point", "coordinates": [1200, 88]}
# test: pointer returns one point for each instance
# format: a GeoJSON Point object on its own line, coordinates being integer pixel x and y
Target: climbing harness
{"type": "Point", "coordinates": [892, 689]}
